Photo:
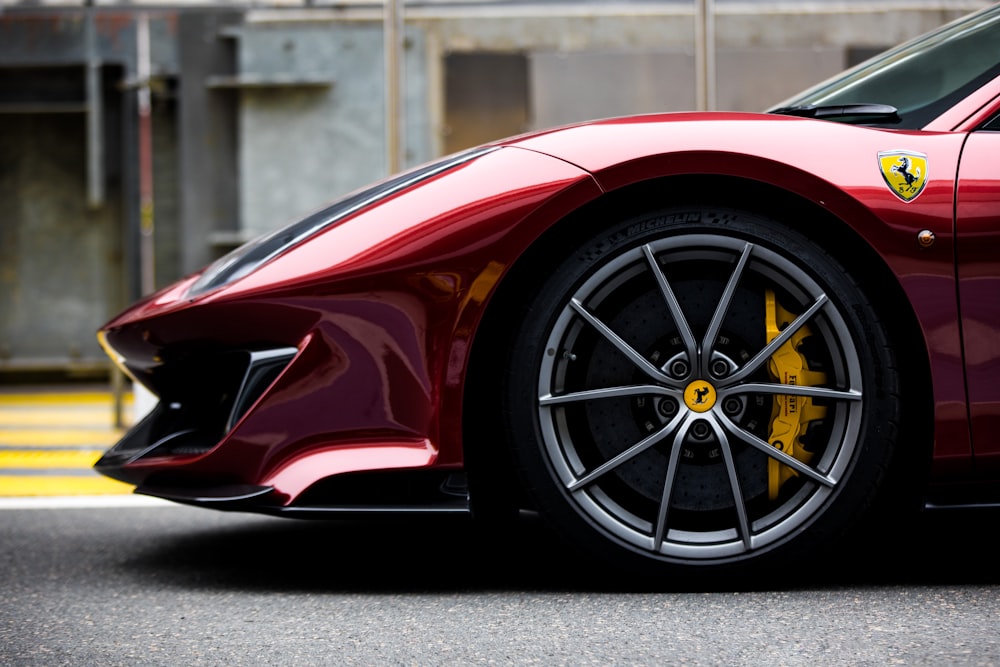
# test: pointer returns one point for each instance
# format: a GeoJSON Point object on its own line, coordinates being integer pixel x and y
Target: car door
{"type": "Point", "coordinates": [977, 214]}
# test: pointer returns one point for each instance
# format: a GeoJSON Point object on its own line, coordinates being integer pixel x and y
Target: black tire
{"type": "Point", "coordinates": [636, 425]}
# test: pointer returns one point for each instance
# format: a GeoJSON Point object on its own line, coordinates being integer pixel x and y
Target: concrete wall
{"type": "Point", "coordinates": [321, 131]}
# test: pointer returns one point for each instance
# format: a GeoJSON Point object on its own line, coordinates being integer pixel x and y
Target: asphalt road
{"type": "Point", "coordinates": [182, 586]}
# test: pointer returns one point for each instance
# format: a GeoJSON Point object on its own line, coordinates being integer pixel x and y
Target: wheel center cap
{"type": "Point", "coordinates": [700, 396]}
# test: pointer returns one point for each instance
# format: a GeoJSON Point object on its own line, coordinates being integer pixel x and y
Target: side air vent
{"type": "Point", "coordinates": [262, 370]}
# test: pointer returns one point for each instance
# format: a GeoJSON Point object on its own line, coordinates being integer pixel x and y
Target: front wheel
{"type": "Point", "coordinates": [700, 388]}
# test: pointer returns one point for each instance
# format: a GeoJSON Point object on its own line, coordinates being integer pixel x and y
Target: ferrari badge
{"type": "Point", "coordinates": [905, 172]}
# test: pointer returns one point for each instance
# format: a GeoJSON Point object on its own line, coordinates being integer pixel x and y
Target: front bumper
{"type": "Point", "coordinates": [219, 391]}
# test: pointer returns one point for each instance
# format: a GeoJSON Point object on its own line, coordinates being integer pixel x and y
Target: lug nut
{"type": "Point", "coordinates": [732, 406]}
{"type": "Point", "coordinates": [700, 429]}
{"type": "Point", "coordinates": [667, 408]}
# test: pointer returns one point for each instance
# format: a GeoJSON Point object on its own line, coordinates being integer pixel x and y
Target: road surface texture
{"type": "Point", "coordinates": [98, 584]}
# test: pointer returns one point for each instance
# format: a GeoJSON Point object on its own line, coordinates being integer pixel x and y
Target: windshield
{"type": "Point", "coordinates": [921, 79]}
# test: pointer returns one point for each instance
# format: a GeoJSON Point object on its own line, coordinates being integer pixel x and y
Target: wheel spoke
{"type": "Point", "coordinates": [674, 306]}
{"type": "Point", "coordinates": [640, 361]}
{"type": "Point", "coordinates": [761, 357]}
{"type": "Point", "coordinates": [668, 489]}
{"type": "Point", "coordinates": [776, 453]}
{"type": "Point", "coordinates": [734, 482]}
{"type": "Point", "coordinates": [624, 457]}
{"type": "Point", "coordinates": [719, 316]}
{"type": "Point", "coordinates": [791, 390]}
{"type": "Point", "coordinates": [609, 392]}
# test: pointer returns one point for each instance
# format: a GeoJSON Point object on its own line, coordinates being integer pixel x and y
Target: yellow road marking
{"type": "Point", "coordinates": [82, 459]}
{"type": "Point", "coordinates": [52, 439]}
{"type": "Point", "coordinates": [49, 417]}
{"type": "Point", "coordinates": [58, 485]}
{"type": "Point", "coordinates": [58, 437]}
{"type": "Point", "coordinates": [68, 397]}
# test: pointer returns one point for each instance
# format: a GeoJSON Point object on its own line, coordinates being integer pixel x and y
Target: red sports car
{"type": "Point", "coordinates": [691, 341]}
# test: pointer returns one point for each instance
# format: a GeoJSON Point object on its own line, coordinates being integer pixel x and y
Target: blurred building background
{"type": "Point", "coordinates": [139, 141]}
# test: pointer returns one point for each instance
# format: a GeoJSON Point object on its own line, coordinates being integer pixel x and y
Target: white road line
{"type": "Point", "coordinates": [83, 502]}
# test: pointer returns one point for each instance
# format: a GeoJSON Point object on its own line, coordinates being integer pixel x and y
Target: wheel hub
{"type": "Point", "coordinates": [700, 396]}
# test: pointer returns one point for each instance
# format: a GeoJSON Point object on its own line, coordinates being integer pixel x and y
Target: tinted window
{"type": "Point", "coordinates": [922, 78]}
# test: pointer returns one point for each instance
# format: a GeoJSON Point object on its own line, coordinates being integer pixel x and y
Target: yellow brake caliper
{"type": "Point", "coordinates": [790, 415]}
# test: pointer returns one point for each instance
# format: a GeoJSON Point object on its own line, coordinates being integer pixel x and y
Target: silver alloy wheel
{"type": "Point", "coordinates": [657, 398]}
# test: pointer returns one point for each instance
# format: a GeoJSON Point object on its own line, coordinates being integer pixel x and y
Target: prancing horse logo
{"type": "Point", "coordinates": [905, 172]}
{"type": "Point", "coordinates": [699, 396]}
